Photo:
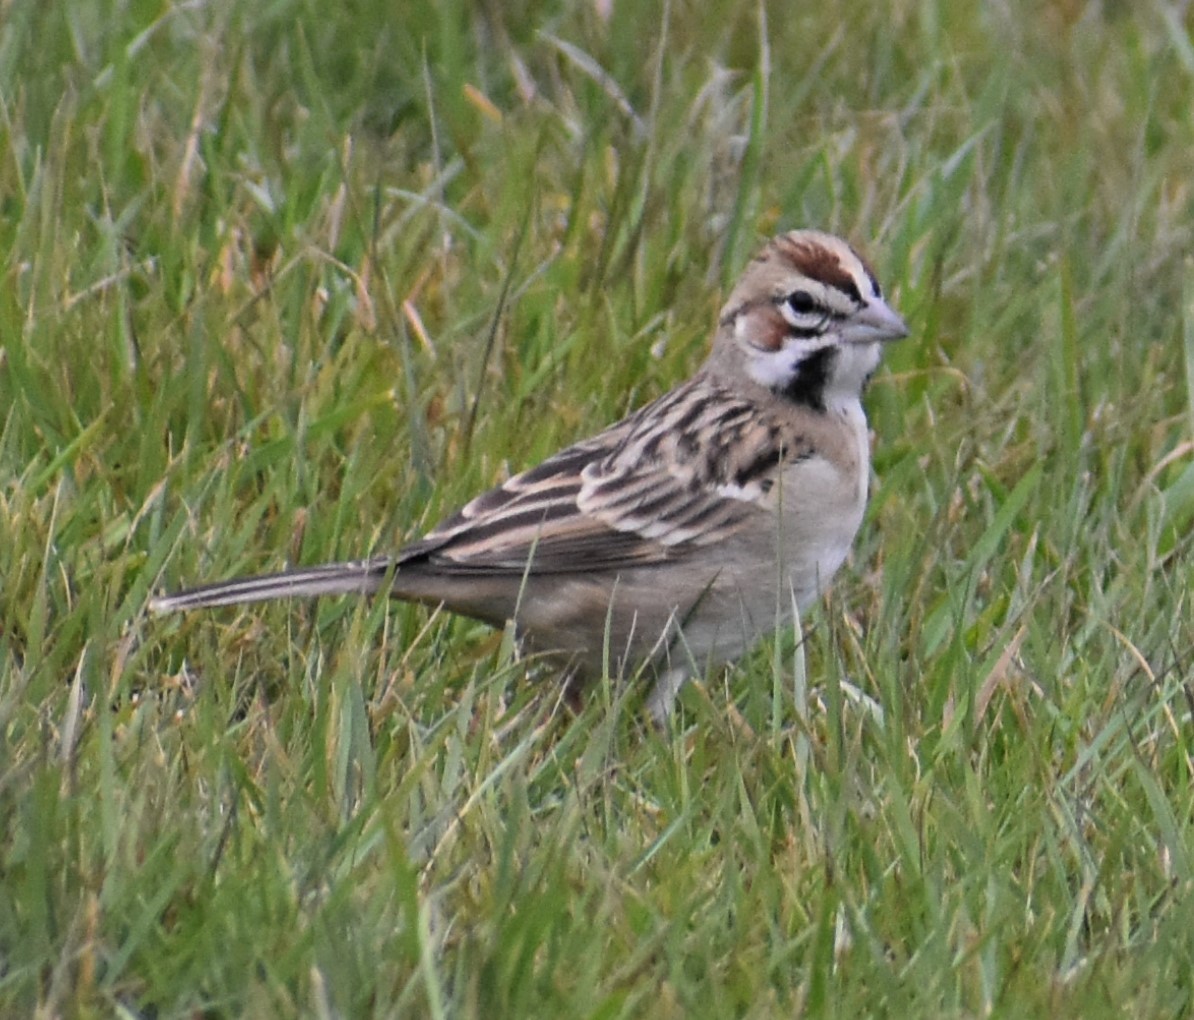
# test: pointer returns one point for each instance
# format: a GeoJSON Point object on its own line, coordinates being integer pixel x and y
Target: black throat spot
{"type": "Point", "coordinates": [807, 385]}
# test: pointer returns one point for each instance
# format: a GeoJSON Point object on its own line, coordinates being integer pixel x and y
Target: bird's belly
{"type": "Point", "coordinates": [706, 608]}
{"type": "Point", "coordinates": [702, 615]}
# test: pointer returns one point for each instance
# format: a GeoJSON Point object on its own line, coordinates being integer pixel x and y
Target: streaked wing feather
{"type": "Point", "coordinates": [642, 492]}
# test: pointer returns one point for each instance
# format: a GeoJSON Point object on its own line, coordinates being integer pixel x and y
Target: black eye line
{"type": "Point", "coordinates": [853, 293]}
{"type": "Point", "coordinates": [815, 307]}
{"type": "Point", "coordinates": [807, 332]}
{"type": "Point", "coordinates": [818, 328]}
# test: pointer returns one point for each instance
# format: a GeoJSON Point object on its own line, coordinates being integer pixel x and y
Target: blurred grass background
{"type": "Point", "coordinates": [287, 282]}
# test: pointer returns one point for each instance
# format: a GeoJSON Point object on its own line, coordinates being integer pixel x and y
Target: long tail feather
{"type": "Point", "coordinates": [361, 577]}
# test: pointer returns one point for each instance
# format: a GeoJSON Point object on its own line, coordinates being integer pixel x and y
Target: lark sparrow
{"type": "Point", "coordinates": [682, 534]}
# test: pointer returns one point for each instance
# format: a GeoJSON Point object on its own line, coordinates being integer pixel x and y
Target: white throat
{"type": "Point", "coordinates": [854, 365]}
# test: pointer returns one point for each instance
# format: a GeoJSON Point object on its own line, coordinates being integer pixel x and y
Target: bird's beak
{"type": "Point", "coordinates": [877, 321]}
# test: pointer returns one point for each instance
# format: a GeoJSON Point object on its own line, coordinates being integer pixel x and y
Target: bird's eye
{"type": "Point", "coordinates": [802, 302]}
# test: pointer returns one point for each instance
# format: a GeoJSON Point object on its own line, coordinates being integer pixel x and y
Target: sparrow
{"type": "Point", "coordinates": [680, 536]}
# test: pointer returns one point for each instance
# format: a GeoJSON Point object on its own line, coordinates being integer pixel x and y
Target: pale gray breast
{"type": "Point", "coordinates": [821, 501]}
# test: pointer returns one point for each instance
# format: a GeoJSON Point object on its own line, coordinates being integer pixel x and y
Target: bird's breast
{"type": "Point", "coordinates": [821, 501]}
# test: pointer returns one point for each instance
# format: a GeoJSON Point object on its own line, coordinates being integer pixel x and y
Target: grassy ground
{"type": "Point", "coordinates": [286, 282]}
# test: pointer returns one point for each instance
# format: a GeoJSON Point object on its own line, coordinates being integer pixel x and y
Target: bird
{"type": "Point", "coordinates": [676, 539]}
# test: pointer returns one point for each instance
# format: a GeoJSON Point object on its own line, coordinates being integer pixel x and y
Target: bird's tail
{"type": "Point", "coordinates": [360, 577]}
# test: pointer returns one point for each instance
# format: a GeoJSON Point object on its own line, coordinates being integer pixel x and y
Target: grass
{"type": "Point", "coordinates": [287, 282]}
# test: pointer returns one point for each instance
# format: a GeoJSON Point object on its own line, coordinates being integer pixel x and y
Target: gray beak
{"type": "Point", "coordinates": [876, 321]}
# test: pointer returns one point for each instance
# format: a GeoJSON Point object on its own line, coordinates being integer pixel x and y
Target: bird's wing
{"type": "Point", "coordinates": [688, 470]}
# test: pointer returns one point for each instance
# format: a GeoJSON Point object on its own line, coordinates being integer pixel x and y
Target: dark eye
{"type": "Point", "coordinates": [802, 302]}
